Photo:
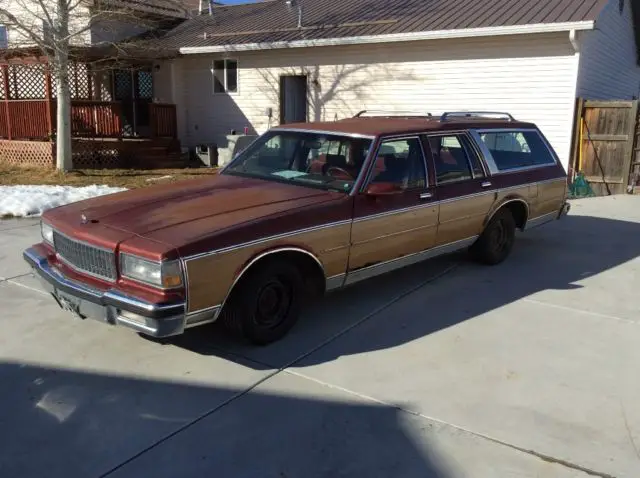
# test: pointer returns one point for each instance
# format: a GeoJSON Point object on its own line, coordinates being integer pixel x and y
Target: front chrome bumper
{"type": "Point", "coordinates": [111, 306]}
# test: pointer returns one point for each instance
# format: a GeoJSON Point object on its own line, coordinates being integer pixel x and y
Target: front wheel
{"type": "Point", "coordinates": [496, 241]}
{"type": "Point", "coordinates": [266, 304]}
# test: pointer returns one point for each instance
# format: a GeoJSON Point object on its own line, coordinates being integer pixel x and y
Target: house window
{"type": "Point", "coordinates": [225, 76]}
{"type": "Point", "coordinates": [4, 40]}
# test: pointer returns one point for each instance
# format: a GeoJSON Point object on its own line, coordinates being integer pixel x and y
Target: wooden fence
{"type": "Point", "coordinates": [604, 146]}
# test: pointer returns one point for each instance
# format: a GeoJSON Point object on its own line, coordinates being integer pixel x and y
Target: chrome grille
{"type": "Point", "coordinates": [85, 258]}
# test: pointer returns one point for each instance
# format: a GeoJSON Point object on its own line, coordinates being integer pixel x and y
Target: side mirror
{"type": "Point", "coordinates": [382, 189]}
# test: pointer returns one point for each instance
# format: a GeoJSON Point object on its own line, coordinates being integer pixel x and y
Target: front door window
{"type": "Point", "coordinates": [400, 163]}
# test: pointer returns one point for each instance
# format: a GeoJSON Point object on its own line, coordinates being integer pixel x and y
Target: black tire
{"type": "Point", "coordinates": [266, 303]}
{"type": "Point", "coordinates": [496, 241]}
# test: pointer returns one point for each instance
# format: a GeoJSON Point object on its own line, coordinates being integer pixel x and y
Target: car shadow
{"type": "Point", "coordinates": [553, 257]}
{"type": "Point", "coordinates": [63, 423]}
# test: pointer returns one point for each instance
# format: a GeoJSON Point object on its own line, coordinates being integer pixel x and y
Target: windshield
{"type": "Point", "coordinates": [325, 161]}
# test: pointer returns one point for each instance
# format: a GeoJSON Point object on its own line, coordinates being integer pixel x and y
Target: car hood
{"type": "Point", "coordinates": [144, 211]}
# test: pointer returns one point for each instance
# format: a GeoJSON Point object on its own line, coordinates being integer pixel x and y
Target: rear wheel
{"type": "Point", "coordinates": [496, 241]}
{"type": "Point", "coordinates": [266, 304]}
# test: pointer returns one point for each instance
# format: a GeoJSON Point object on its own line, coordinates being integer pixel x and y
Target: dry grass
{"type": "Point", "coordinates": [126, 178]}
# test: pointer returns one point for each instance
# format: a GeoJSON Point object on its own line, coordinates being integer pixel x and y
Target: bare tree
{"type": "Point", "coordinates": [59, 28]}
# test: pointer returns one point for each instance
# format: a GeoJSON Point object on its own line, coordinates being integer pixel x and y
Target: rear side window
{"type": "Point", "coordinates": [450, 159]}
{"type": "Point", "coordinates": [513, 150]}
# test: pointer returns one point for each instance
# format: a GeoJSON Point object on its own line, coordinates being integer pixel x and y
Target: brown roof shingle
{"type": "Point", "coordinates": [272, 21]}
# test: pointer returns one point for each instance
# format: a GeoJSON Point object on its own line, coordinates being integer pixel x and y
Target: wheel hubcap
{"type": "Point", "coordinates": [274, 301]}
{"type": "Point", "coordinates": [500, 237]}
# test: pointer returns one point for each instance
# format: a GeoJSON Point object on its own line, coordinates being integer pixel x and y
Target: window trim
{"type": "Point", "coordinates": [471, 144]}
{"type": "Point", "coordinates": [374, 157]}
{"type": "Point", "coordinates": [467, 153]}
{"type": "Point", "coordinates": [224, 70]}
{"type": "Point", "coordinates": [491, 163]}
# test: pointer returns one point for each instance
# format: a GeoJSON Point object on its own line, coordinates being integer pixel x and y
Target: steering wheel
{"type": "Point", "coordinates": [340, 170]}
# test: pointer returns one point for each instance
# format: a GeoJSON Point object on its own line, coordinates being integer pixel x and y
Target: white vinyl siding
{"type": "Point", "coordinates": [608, 64]}
{"type": "Point", "coordinates": [532, 77]}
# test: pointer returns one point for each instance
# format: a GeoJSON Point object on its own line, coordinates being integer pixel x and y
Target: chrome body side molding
{"type": "Point", "coordinates": [384, 267]}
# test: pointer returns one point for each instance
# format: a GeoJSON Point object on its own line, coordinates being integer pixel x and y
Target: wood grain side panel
{"type": "Point", "coordinates": [211, 277]}
{"type": "Point", "coordinates": [392, 236]}
{"type": "Point", "coordinates": [527, 193]}
{"type": "Point", "coordinates": [463, 218]}
{"type": "Point", "coordinates": [551, 196]}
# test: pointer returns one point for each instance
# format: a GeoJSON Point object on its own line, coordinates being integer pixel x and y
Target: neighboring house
{"type": "Point", "coordinates": [110, 80]}
{"type": "Point", "coordinates": [262, 64]}
{"type": "Point", "coordinates": [91, 22]}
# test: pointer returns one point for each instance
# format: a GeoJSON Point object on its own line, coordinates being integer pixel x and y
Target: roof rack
{"type": "Point", "coordinates": [475, 114]}
{"type": "Point", "coordinates": [406, 114]}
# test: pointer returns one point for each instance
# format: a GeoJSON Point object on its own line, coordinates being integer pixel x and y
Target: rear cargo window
{"type": "Point", "coordinates": [513, 150]}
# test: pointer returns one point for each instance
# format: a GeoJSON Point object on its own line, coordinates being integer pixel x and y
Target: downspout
{"type": "Point", "coordinates": [573, 38]}
{"type": "Point", "coordinates": [575, 163]}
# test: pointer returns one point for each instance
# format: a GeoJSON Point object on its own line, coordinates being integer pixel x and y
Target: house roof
{"type": "Point", "coordinates": [169, 8]}
{"type": "Point", "coordinates": [273, 21]}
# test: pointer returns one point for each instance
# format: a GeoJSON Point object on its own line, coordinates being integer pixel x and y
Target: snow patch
{"type": "Point", "coordinates": [32, 201]}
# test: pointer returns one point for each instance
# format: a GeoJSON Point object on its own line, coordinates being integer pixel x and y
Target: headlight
{"type": "Point", "coordinates": [166, 275]}
{"type": "Point", "coordinates": [47, 232]}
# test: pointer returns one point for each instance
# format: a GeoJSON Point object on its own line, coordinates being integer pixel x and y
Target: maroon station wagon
{"type": "Point", "coordinates": [304, 210]}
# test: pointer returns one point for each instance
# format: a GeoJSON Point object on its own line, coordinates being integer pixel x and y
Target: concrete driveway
{"type": "Point", "coordinates": [447, 369]}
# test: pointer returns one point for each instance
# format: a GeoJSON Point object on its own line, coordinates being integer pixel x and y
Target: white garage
{"type": "Point", "coordinates": [248, 67]}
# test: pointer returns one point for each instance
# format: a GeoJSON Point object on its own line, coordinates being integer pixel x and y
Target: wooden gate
{"type": "Point", "coordinates": [606, 133]}
{"type": "Point", "coordinates": [634, 178]}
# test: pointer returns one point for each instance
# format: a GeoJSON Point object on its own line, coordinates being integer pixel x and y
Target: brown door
{"type": "Point", "coordinates": [396, 215]}
{"type": "Point", "coordinates": [293, 99]}
{"type": "Point", "coordinates": [466, 194]}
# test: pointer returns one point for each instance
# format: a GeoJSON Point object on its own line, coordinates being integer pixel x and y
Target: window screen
{"type": "Point", "coordinates": [232, 76]}
{"type": "Point", "coordinates": [4, 40]}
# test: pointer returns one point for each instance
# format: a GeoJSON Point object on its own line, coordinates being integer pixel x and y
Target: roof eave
{"type": "Point", "coordinates": [397, 37]}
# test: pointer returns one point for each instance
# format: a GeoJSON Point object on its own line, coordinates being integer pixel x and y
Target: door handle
{"type": "Point", "coordinates": [426, 196]}
{"type": "Point", "coordinates": [486, 184]}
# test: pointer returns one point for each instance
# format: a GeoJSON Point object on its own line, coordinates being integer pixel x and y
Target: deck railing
{"type": "Point", "coordinates": [96, 119]}
{"type": "Point", "coordinates": [25, 119]}
{"type": "Point", "coordinates": [36, 119]}
{"type": "Point", "coordinates": [163, 120]}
